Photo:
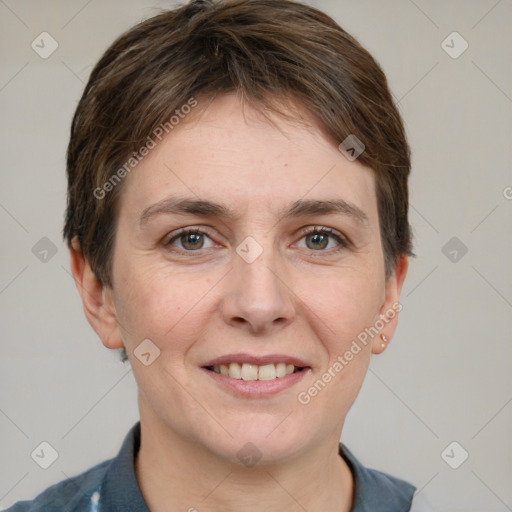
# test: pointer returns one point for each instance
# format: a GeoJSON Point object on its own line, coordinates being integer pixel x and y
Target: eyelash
{"type": "Point", "coordinates": [342, 240]}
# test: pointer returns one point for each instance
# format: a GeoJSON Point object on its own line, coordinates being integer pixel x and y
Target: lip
{"type": "Point", "coordinates": [257, 360]}
{"type": "Point", "coordinates": [256, 388]}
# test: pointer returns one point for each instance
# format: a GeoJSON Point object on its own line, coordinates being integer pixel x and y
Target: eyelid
{"type": "Point", "coordinates": [186, 231]}
{"type": "Point", "coordinates": [320, 229]}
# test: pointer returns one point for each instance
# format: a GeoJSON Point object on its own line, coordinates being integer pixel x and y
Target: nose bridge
{"type": "Point", "coordinates": [258, 295]}
{"type": "Point", "coordinates": [256, 270]}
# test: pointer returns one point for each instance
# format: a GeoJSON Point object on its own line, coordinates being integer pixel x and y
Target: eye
{"type": "Point", "coordinates": [190, 240]}
{"type": "Point", "coordinates": [317, 239]}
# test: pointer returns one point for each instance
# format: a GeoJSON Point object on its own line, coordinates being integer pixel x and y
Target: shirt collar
{"type": "Point", "coordinates": [375, 491]}
{"type": "Point", "coordinates": [120, 488]}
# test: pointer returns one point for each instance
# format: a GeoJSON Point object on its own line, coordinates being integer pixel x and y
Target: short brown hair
{"type": "Point", "coordinates": [273, 53]}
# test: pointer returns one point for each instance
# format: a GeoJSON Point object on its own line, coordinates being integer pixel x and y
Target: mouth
{"type": "Point", "coordinates": [256, 376]}
{"type": "Point", "coordinates": [247, 371]}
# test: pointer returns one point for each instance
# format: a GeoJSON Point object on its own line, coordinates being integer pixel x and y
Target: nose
{"type": "Point", "coordinates": [258, 297]}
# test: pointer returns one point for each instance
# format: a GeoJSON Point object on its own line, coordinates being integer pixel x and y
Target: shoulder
{"type": "Point", "coordinates": [376, 491]}
{"type": "Point", "coordinates": [73, 494]}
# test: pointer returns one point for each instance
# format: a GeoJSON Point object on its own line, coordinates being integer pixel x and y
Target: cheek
{"type": "Point", "coordinates": [166, 308]}
{"type": "Point", "coordinates": [348, 301]}
{"type": "Point", "coordinates": [345, 307]}
{"type": "Point", "coordinates": [348, 304]}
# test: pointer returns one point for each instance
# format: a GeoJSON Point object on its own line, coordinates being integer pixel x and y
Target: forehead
{"type": "Point", "coordinates": [228, 152]}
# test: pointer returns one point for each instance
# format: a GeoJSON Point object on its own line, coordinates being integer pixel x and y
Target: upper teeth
{"type": "Point", "coordinates": [248, 371]}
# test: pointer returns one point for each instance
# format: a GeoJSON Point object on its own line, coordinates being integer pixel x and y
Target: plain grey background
{"type": "Point", "coordinates": [445, 377]}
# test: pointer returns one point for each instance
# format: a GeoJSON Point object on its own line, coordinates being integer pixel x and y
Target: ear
{"type": "Point", "coordinates": [391, 306]}
{"type": "Point", "coordinates": [97, 299]}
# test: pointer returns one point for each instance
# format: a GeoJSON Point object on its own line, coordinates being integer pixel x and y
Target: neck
{"type": "Point", "coordinates": [176, 474]}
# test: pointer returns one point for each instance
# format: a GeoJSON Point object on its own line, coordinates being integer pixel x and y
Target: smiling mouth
{"type": "Point", "coordinates": [246, 371]}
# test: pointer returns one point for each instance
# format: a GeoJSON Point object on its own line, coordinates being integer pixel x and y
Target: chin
{"type": "Point", "coordinates": [257, 444]}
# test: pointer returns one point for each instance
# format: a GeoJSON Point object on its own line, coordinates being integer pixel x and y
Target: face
{"type": "Point", "coordinates": [251, 289]}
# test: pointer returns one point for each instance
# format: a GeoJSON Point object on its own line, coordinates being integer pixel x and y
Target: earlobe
{"type": "Point", "coordinates": [391, 306]}
{"type": "Point", "coordinates": [96, 298]}
{"type": "Point", "coordinates": [382, 342]}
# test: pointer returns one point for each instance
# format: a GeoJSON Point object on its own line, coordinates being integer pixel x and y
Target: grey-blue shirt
{"type": "Point", "coordinates": [112, 487]}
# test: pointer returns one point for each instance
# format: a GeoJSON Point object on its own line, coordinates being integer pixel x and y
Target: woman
{"type": "Point", "coordinates": [237, 223]}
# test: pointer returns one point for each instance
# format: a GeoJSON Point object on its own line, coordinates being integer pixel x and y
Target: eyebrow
{"type": "Point", "coordinates": [206, 208]}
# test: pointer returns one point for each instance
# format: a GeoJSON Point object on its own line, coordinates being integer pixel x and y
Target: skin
{"type": "Point", "coordinates": [296, 298]}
